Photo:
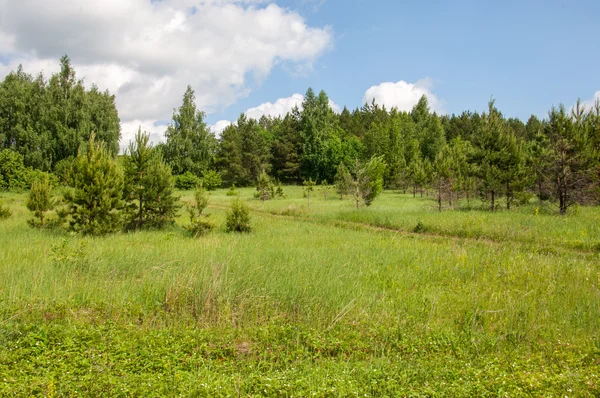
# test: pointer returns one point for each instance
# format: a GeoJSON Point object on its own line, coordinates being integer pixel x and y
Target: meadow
{"type": "Point", "coordinates": [396, 299]}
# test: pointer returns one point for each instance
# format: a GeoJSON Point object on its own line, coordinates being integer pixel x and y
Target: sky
{"type": "Point", "coordinates": [260, 56]}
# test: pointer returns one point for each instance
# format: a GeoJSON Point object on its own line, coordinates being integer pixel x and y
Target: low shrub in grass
{"type": "Point", "coordinates": [238, 217]}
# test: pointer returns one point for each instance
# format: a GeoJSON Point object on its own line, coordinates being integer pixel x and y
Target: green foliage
{"type": "Point", "coordinates": [309, 187]}
{"type": "Point", "coordinates": [265, 190]}
{"type": "Point", "coordinates": [70, 255]}
{"type": "Point", "coordinates": [63, 169]}
{"type": "Point", "coordinates": [47, 121]}
{"type": "Point", "coordinates": [94, 200]}
{"type": "Point", "coordinates": [279, 191]}
{"type": "Point", "coordinates": [148, 187]}
{"type": "Point", "coordinates": [212, 180]}
{"type": "Point", "coordinates": [244, 152]}
{"type": "Point", "coordinates": [13, 173]}
{"type": "Point", "coordinates": [190, 145]}
{"type": "Point", "coordinates": [186, 181]}
{"type": "Point", "coordinates": [238, 217]}
{"type": "Point", "coordinates": [232, 191]}
{"type": "Point", "coordinates": [40, 200]}
{"type": "Point", "coordinates": [199, 222]}
{"type": "Point", "coordinates": [368, 181]}
{"type": "Point", "coordinates": [343, 181]}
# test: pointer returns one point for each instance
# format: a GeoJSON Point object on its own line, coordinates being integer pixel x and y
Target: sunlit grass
{"type": "Point", "coordinates": [319, 288]}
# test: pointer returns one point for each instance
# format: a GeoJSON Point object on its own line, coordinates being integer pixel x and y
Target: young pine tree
{"type": "Point", "coordinates": [343, 181]}
{"type": "Point", "coordinates": [148, 188]}
{"type": "Point", "coordinates": [94, 202]}
{"type": "Point", "coordinates": [265, 190]}
{"type": "Point", "coordinates": [238, 217]}
{"type": "Point", "coordinates": [199, 223]}
{"type": "Point", "coordinates": [309, 186]}
{"type": "Point", "coordinates": [40, 200]}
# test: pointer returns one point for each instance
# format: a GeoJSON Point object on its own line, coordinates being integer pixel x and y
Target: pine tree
{"type": "Point", "coordinates": [95, 198]}
{"type": "Point", "coordinates": [343, 181]}
{"type": "Point", "coordinates": [265, 190]}
{"type": "Point", "coordinates": [148, 188]}
{"type": "Point", "coordinates": [238, 217]}
{"type": "Point", "coordinates": [40, 200]}
{"type": "Point", "coordinates": [199, 222]}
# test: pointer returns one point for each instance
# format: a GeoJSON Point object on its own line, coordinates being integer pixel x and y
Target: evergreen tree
{"type": "Point", "coordinates": [40, 200]}
{"type": "Point", "coordinates": [148, 188]}
{"type": "Point", "coordinates": [571, 166]}
{"type": "Point", "coordinates": [343, 181]}
{"type": "Point", "coordinates": [95, 198]}
{"type": "Point", "coordinates": [265, 190]}
{"type": "Point", "coordinates": [238, 217]}
{"type": "Point", "coordinates": [199, 222]}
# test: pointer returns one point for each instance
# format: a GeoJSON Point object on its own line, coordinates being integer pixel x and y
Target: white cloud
{"type": "Point", "coordinates": [591, 103]}
{"type": "Point", "coordinates": [219, 126]}
{"type": "Point", "coordinates": [280, 108]}
{"type": "Point", "coordinates": [404, 95]}
{"type": "Point", "coordinates": [147, 52]}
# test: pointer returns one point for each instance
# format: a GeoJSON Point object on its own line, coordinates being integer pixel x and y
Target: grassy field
{"type": "Point", "coordinates": [392, 300]}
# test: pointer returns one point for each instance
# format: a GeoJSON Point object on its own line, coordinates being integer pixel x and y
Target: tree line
{"type": "Point", "coordinates": [500, 160]}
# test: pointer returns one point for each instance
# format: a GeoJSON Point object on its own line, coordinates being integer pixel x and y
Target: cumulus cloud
{"type": "Point", "coordinates": [280, 108]}
{"type": "Point", "coordinates": [147, 52]}
{"type": "Point", "coordinates": [404, 95]}
{"type": "Point", "coordinates": [219, 126]}
{"type": "Point", "coordinates": [591, 103]}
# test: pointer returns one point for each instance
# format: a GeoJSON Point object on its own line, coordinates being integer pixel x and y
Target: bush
{"type": "Point", "coordinates": [232, 191]}
{"type": "Point", "coordinates": [199, 223]}
{"type": "Point", "coordinates": [38, 175]}
{"type": "Point", "coordinates": [212, 180]}
{"type": "Point", "coordinates": [40, 200]}
{"type": "Point", "coordinates": [238, 217]}
{"type": "Point", "coordinates": [13, 173]}
{"type": "Point", "coordinates": [186, 181]}
{"type": "Point", "coordinates": [4, 211]}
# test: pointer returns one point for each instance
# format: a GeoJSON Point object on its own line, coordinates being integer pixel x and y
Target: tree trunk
{"type": "Point", "coordinates": [493, 205]}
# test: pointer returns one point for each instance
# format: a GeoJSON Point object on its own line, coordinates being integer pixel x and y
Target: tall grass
{"type": "Point", "coordinates": [297, 279]}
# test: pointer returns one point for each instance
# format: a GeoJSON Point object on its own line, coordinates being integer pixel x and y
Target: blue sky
{"type": "Point", "coordinates": [529, 55]}
{"type": "Point", "coordinates": [260, 56]}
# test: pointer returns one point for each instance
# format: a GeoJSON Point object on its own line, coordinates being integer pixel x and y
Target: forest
{"type": "Point", "coordinates": [502, 161]}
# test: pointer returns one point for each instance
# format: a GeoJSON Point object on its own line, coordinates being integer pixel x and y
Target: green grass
{"type": "Point", "coordinates": [326, 301]}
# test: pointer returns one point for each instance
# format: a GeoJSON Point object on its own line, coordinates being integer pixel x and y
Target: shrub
{"type": "Point", "coordinates": [40, 200]}
{"type": "Point", "coordinates": [238, 217]}
{"type": "Point", "coordinates": [212, 180]}
{"type": "Point", "coordinates": [199, 223]}
{"type": "Point", "coordinates": [232, 191]}
{"type": "Point", "coordinates": [13, 173]}
{"type": "Point", "coordinates": [186, 181]}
